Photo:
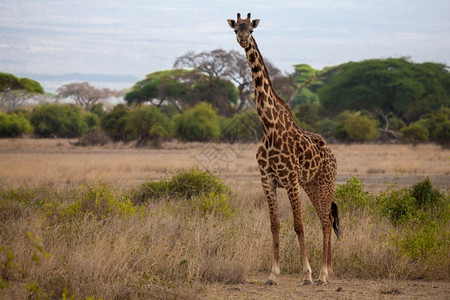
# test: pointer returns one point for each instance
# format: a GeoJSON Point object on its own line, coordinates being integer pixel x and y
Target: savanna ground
{"type": "Point", "coordinates": [179, 249]}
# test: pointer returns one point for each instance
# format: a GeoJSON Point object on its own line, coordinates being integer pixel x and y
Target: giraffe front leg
{"type": "Point", "coordinates": [270, 192]}
{"type": "Point", "coordinates": [294, 198]}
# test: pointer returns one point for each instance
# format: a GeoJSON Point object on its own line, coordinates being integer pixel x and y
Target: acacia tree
{"type": "Point", "coordinates": [220, 65]}
{"type": "Point", "coordinates": [396, 85]}
{"type": "Point", "coordinates": [15, 91]}
{"type": "Point", "coordinates": [84, 94]}
{"type": "Point", "coordinates": [171, 86]}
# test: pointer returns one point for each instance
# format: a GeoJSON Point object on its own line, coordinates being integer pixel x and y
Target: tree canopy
{"type": "Point", "coordinates": [396, 85]}
{"type": "Point", "coordinates": [15, 91]}
{"type": "Point", "coordinates": [84, 94]}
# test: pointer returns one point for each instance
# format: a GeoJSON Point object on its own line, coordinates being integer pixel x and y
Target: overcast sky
{"type": "Point", "coordinates": [137, 37]}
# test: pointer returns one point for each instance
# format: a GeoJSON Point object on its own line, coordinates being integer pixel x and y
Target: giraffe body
{"type": "Point", "coordinates": [289, 157]}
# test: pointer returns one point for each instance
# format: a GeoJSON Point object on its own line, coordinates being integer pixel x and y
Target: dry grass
{"type": "Point", "coordinates": [57, 163]}
{"type": "Point", "coordinates": [167, 249]}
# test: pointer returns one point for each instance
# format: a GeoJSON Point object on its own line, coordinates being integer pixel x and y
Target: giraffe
{"type": "Point", "coordinates": [290, 158]}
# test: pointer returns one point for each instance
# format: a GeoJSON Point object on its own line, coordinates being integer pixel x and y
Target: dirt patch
{"type": "Point", "coordinates": [289, 287]}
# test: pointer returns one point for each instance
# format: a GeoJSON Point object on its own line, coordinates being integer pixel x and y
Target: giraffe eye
{"type": "Point", "coordinates": [235, 31]}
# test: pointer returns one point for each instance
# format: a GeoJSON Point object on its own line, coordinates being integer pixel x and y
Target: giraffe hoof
{"type": "Point", "coordinates": [320, 282]}
{"type": "Point", "coordinates": [270, 282]}
{"type": "Point", "coordinates": [307, 282]}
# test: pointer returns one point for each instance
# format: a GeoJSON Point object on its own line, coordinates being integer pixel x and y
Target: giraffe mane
{"type": "Point", "coordinates": [266, 74]}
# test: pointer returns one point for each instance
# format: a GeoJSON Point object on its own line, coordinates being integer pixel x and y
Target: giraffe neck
{"type": "Point", "coordinates": [271, 108]}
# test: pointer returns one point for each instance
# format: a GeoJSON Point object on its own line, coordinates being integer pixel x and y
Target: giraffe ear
{"type": "Point", "coordinates": [231, 22]}
{"type": "Point", "coordinates": [255, 23]}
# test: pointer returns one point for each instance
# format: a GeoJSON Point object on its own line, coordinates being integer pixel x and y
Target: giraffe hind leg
{"type": "Point", "coordinates": [321, 195]}
{"type": "Point", "coordinates": [294, 198]}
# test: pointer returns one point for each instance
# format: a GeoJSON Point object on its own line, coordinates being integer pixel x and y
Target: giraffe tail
{"type": "Point", "coordinates": [335, 214]}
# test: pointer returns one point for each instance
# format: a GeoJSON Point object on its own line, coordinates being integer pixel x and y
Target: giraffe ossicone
{"type": "Point", "coordinates": [289, 157]}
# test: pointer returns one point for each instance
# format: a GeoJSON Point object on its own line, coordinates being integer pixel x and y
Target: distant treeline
{"type": "Point", "coordinates": [382, 100]}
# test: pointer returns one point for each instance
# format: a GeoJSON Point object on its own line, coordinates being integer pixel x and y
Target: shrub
{"type": "Point", "coordinates": [186, 184]}
{"type": "Point", "coordinates": [61, 120]}
{"type": "Point", "coordinates": [91, 119]}
{"type": "Point", "coordinates": [355, 127]}
{"type": "Point", "coordinates": [435, 120]}
{"type": "Point", "coordinates": [114, 123]}
{"type": "Point", "coordinates": [14, 125]}
{"type": "Point", "coordinates": [243, 127]}
{"type": "Point", "coordinates": [425, 194]}
{"type": "Point", "coordinates": [198, 124]}
{"type": "Point", "coordinates": [442, 135]}
{"type": "Point", "coordinates": [414, 133]}
{"type": "Point", "coordinates": [419, 203]}
{"type": "Point", "coordinates": [398, 205]}
{"type": "Point", "coordinates": [307, 115]}
{"type": "Point", "coordinates": [148, 123]}
{"type": "Point", "coordinates": [214, 203]}
{"type": "Point", "coordinates": [352, 196]}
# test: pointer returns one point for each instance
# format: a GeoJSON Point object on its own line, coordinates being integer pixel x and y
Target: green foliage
{"type": "Point", "coordinates": [99, 200]}
{"type": "Point", "coordinates": [395, 85]}
{"type": "Point", "coordinates": [398, 205]}
{"type": "Point", "coordinates": [438, 125]}
{"type": "Point", "coordinates": [114, 123]}
{"type": "Point", "coordinates": [426, 195]}
{"type": "Point", "coordinates": [352, 196]}
{"type": "Point", "coordinates": [11, 82]}
{"type": "Point", "coordinates": [242, 127]}
{"type": "Point", "coordinates": [418, 203]}
{"type": "Point", "coordinates": [14, 125]}
{"type": "Point", "coordinates": [207, 90]}
{"type": "Point", "coordinates": [415, 133]}
{"type": "Point", "coordinates": [309, 79]}
{"type": "Point", "coordinates": [214, 203]}
{"type": "Point", "coordinates": [31, 86]}
{"type": "Point", "coordinates": [186, 184]}
{"type": "Point", "coordinates": [169, 84]}
{"type": "Point", "coordinates": [148, 123]}
{"type": "Point", "coordinates": [61, 120]}
{"type": "Point", "coordinates": [355, 127]}
{"type": "Point", "coordinates": [308, 116]}
{"type": "Point", "coordinates": [198, 124]}
{"type": "Point", "coordinates": [92, 120]}
{"type": "Point", "coordinates": [97, 109]}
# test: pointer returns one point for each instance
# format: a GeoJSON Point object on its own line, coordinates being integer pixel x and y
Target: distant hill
{"type": "Point", "coordinates": [51, 82]}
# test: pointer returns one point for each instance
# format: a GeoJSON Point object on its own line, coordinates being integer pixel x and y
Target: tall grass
{"type": "Point", "coordinates": [97, 241]}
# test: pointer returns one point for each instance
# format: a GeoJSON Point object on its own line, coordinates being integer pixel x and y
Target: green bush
{"type": "Point", "coordinates": [114, 123]}
{"type": "Point", "coordinates": [91, 119]}
{"type": "Point", "coordinates": [242, 127]}
{"type": "Point", "coordinates": [352, 196]}
{"type": "Point", "coordinates": [308, 116]}
{"type": "Point", "coordinates": [61, 120]}
{"type": "Point", "coordinates": [355, 127]}
{"type": "Point", "coordinates": [214, 203]}
{"type": "Point", "coordinates": [419, 203]}
{"type": "Point", "coordinates": [442, 135]}
{"type": "Point", "coordinates": [426, 195]}
{"type": "Point", "coordinates": [415, 133]}
{"type": "Point", "coordinates": [14, 125]}
{"type": "Point", "coordinates": [148, 123]}
{"type": "Point", "coordinates": [99, 200]}
{"type": "Point", "coordinates": [186, 184]}
{"type": "Point", "coordinates": [198, 124]}
{"type": "Point", "coordinates": [398, 205]}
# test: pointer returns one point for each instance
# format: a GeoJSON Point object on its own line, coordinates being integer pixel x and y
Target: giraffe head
{"type": "Point", "coordinates": [243, 29]}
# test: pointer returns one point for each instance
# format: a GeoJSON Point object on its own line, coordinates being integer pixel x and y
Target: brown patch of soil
{"type": "Point", "coordinates": [289, 287]}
